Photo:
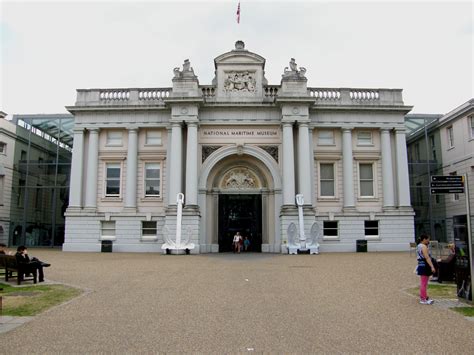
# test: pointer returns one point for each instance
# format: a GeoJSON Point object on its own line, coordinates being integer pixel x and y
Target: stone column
{"type": "Point", "coordinates": [92, 164]}
{"type": "Point", "coordinates": [132, 158]}
{"type": "Point", "coordinates": [288, 165]}
{"type": "Point", "coordinates": [347, 168]}
{"type": "Point", "coordinates": [402, 169]}
{"type": "Point", "coordinates": [304, 171]}
{"type": "Point", "coordinates": [175, 163]}
{"type": "Point", "coordinates": [311, 166]}
{"type": "Point", "coordinates": [191, 165]}
{"type": "Point", "coordinates": [387, 169]}
{"type": "Point", "coordinates": [77, 169]}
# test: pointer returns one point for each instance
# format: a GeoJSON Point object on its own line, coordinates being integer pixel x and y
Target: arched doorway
{"type": "Point", "coordinates": [240, 208]}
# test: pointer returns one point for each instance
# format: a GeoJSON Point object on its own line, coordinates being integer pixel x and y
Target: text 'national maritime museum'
{"type": "Point", "coordinates": [240, 150]}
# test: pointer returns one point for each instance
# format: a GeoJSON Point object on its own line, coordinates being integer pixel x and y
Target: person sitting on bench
{"type": "Point", "coordinates": [4, 250]}
{"type": "Point", "coordinates": [32, 265]}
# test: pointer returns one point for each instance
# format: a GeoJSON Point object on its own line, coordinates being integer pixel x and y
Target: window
{"type": "Point", "coordinates": [2, 179]}
{"type": "Point", "coordinates": [450, 137]}
{"type": "Point", "coordinates": [21, 193]}
{"type": "Point", "coordinates": [366, 179]}
{"type": "Point", "coordinates": [455, 196]}
{"type": "Point", "coordinates": [112, 183]}
{"type": "Point", "coordinates": [153, 137]}
{"type": "Point", "coordinates": [433, 147]}
{"type": "Point", "coordinates": [152, 179]}
{"type": "Point", "coordinates": [3, 148]}
{"type": "Point", "coordinates": [40, 163]}
{"type": "Point", "coordinates": [149, 229]}
{"type": "Point", "coordinates": [371, 228]}
{"type": "Point", "coordinates": [364, 138]}
{"type": "Point", "coordinates": [38, 197]}
{"type": "Point", "coordinates": [326, 137]}
{"type": "Point", "coordinates": [330, 229]}
{"type": "Point", "coordinates": [107, 230]}
{"type": "Point", "coordinates": [471, 125]}
{"type": "Point", "coordinates": [114, 138]}
{"type": "Point", "coordinates": [326, 179]}
{"type": "Point", "coordinates": [417, 152]}
{"type": "Point", "coordinates": [23, 156]}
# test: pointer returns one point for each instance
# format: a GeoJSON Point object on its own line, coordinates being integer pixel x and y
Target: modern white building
{"type": "Point", "coordinates": [240, 150]}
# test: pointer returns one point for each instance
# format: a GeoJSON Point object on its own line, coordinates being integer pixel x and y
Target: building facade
{"type": "Point", "coordinates": [35, 164]}
{"type": "Point", "coordinates": [240, 150]}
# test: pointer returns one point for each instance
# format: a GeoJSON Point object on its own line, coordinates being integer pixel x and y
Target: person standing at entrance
{"type": "Point", "coordinates": [425, 267]}
{"type": "Point", "coordinates": [237, 239]}
{"type": "Point", "coordinates": [246, 243]}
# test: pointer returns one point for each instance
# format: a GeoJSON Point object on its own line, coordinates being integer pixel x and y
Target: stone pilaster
{"type": "Point", "coordinates": [304, 171]}
{"type": "Point", "coordinates": [92, 165]}
{"type": "Point", "coordinates": [77, 170]}
{"type": "Point", "coordinates": [347, 168]}
{"type": "Point", "coordinates": [191, 165]}
{"type": "Point", "coordinates": [175, 163]}
{"type": "Point", "coordinates": [288, 165]}
{"type": "Point", "coordinates": [387, 170]}
{"type": "Point", "coordinates": [132, 158]}
{"type": "Point", "coordinates": [403, 183]}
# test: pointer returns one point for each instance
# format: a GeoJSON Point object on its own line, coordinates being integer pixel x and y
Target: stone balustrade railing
{"type": "Point", "coordinates": [322, 96]}
{"type": "Point", "coordinates": [122, 97]}
{"type": "Point", "coordinates": [357, 97]}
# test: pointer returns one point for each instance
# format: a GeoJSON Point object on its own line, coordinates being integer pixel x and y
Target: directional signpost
{"type": "Point", "coordinates": [447, 184]}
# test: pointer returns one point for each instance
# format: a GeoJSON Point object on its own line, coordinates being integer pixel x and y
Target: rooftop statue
{"type": "Point", "coordinates": [293, 71]}
{"type": "Point", "coordinates": [187, 72]}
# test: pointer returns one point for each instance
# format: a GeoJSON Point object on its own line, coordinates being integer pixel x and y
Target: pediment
{"type": "Point", "coordinates": [239, 56]}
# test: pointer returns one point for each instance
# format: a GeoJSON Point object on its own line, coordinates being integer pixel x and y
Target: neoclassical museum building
{"type": "Point", "coordinates": [239, 149]}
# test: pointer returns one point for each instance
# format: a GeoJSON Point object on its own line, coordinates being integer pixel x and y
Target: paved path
{"type": "Point", "coordinates": [226, 303]}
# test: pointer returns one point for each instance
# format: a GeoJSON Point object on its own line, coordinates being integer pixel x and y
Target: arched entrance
{"type": "Point", "coordinates": [240, 208]}
{"type": "Point", "coordinates": [240, 190]}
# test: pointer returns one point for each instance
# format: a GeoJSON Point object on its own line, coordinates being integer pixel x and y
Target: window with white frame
{"type": "Point", "coordinates": [450, 133]}
{"type": "Point", "coordinates": [326, 137]}
{"type": "Point", "coordinates": [149, 229]}
{"type": "Point", "coordinates": [152, 179]}
{"type": "Point", "coordinates": [107, 230]}
{"type": "Point", "coordinates": [112, 179]}
{"type": "Point", "coordinates": [153, 137]}
{"type": "Point", "coordinates": [3, 147]}
{"type": "Point", "coordinates": [366, 179]}
{"type": "Point", "coordinates": [330, 229]}
{"type": "Point", "coordinates": [455, 196]}
{"type": "Point", "coordinates": [114, 138]}
{"type": "Point", "coordinates": [364, 138]}
{"type": "Point", "coordinates": [471, 125]}
{"type": "Point", "coordinates": [326, 180]}
{"type": "Point", "coordinates": [371, 228]}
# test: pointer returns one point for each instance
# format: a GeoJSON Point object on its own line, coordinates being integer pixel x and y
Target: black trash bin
{"type": "Point", "coordinates": [361, 246]}
{"type": "Point", "coordinates": [106, 246]}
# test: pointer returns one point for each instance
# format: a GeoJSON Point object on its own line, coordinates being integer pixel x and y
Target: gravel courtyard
{"type": "Point", "coordinates": [229, 303]}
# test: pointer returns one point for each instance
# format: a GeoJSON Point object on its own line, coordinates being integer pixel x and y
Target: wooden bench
{"type": "Point", "coordinates": [9, 264]}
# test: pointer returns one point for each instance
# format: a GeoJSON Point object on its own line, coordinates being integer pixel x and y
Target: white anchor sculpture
{"type": "Point", "coordinates": [178, 246]}
{"type": "Point", "coordinates": [301, 246]}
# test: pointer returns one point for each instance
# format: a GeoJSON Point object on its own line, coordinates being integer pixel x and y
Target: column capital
{"type": "Point", "coordinates": [347, 128]}
{"type": "Point", "coordinates": [78, 130]}
{"type": "Point", "coordinates": [399, 130]}
{"type": "Point", "coordinates": [93, 129]}
{"type": "Point", "coordinates": [303, 123]}
{"type": "Point", "coordinates": [386, 129]}
{"type": "Point", "coordinates": [193, 123]}
{"type": "Point", "coordinates": [176, 123]}
{"type": "Point", "coordinates": [133, 129]}
{"type": "Point", "coordinates": [287, 123]}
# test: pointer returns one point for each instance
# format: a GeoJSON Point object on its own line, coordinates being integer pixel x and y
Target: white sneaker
{"type": "Point", "coordinates": [424, 301]}
{"type": "Point", "coordinates": [429, 301]}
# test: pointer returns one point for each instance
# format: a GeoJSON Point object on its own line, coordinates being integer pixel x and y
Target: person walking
{"type": "Point", "coordinates": [236, 242]}
{"type": "Point", "coordinates": [246, 243]}
{"type": "Point", "coordinates": [425, 267]}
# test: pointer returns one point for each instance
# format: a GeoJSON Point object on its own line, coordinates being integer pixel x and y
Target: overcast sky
{"type": "Point", "coordinates": [50, 49]}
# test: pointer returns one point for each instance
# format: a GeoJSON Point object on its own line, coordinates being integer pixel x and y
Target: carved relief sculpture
{"type": "Point", "coordinates": [240, 81]}
{"type": "Point", "coordinates": [293, 71]}
{"type": "Point", "coordinates": [240, 178]}
{"type": "Point", "coordinates": [187, 72]}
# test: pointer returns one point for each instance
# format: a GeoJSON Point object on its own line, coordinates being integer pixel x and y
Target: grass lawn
{"type": "Point", "coordinates": [465, 311]}
{"type": "Point", "coordinates": [31, 300]}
